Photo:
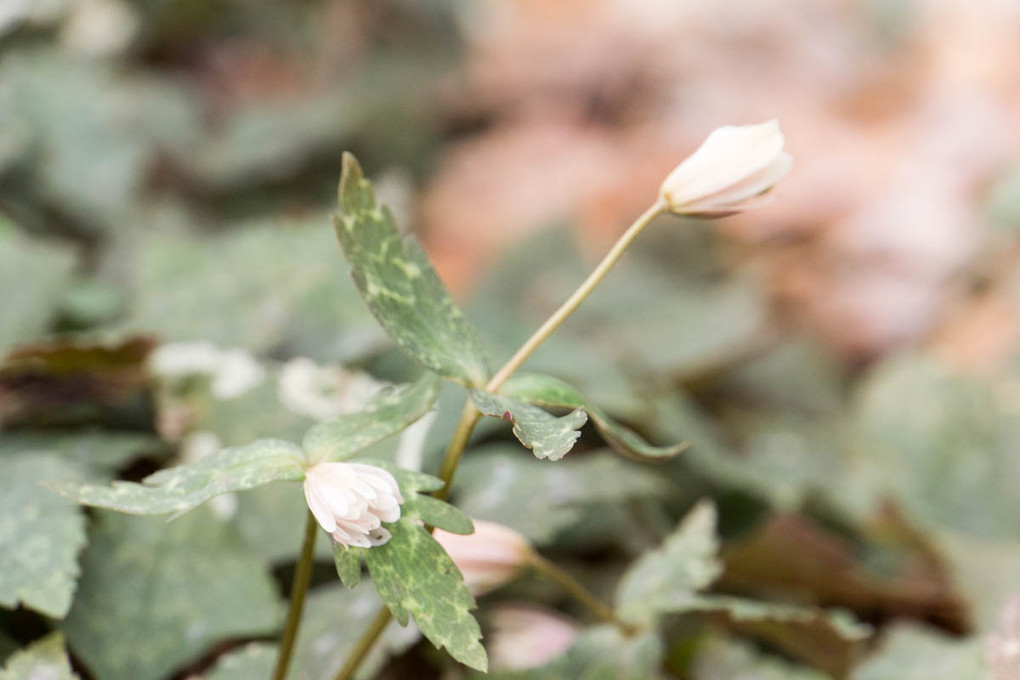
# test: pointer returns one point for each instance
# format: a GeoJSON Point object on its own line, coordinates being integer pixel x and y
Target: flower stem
{"type": "Point", "coordinates": [465, 426]}
{"type": "Point", "coordinates": [469, 418]}
{"type": "Point", "coordinates": [575, 300]}
{"type": "Point", "coordinates": [302, 576]}
{"type": "Point", "coordinates": [580, 593]}
{"type": "Point", "coordinates": [364, 644]}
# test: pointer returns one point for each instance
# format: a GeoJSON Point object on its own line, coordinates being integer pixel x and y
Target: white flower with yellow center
{"type": "Point", "coordinates": [351, 501]}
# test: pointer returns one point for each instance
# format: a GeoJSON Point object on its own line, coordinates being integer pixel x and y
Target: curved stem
{"type": "Point", "coordinates": [302, 576]}
{"type": "Point", "coordinates": [364, 644]}
{"type": "Point", "coordinates": [575, 300]}
{"type": "Point", "coordinates": [602, 611]}
{"type": "Point", "coordinates": [466, 425]}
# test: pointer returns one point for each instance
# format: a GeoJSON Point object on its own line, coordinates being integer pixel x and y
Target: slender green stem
{"type": "Point", "coordinates": [602, 611]}
{"type": "Point", "coordinates": [365, 644]}
{"type": "Point", "coordinates": [575, 300]}
{"type": "Point", "coordinates": [302, 576]}
{"type": "Point", "coordinates": [466, 425]}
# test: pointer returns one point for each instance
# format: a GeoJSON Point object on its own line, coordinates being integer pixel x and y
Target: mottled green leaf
{"type": "Point", "coordinates": [909, 652]}
{"type": "Point", "coordinates": [668, 578]}
{"type": "Point", "coordinates": [546, 435]}
{"type": "Point", "coordinates": [415, 576]}
{"type": "Point", "coordinates": [534, 388]}
{"type": "Point", "coordinates": [400, 286]}
{"type": "Point", "coordinates": [334, 620]}
{"type": "Point", "coordinates": [43, 660]}
{"type": "Point", "coordinates": [154, 596]}
{"type": "Point", "coordinates": [385, 415]}
{"type": "Point", "coordinates": [184, 487]}
{"type": "Point", "coordinates": [251, 662]}
{"type": "Point", "coordinates": [348, 564]}
{"type": "Point", "coordinates": [40, 534]}
{"type": "Point", "coordinates": [500, 485]}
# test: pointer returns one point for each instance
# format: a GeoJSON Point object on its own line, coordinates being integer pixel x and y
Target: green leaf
{"type": "Point", "coordinates": [348, 564]}
{"type": "Point", "coordinates": [936, 441]}
{"type": "Point", "coordinates": [43, 660]}
{"type": "Point", "coordinates": [415, 576]}
{"type": "Point", "coordinates": [254, 660]}
{"type": "Point", "coordinates": [437, 513]}
{"type": "Point", "coordinates": [385, 415]}
{"type": "Point", "coordinates": [400, 286]}
{"type": "Point", "coordinates": [40, 534]}
{"type": "Point", "coordinates": [333, 621]}
{"type": "Point", "coordinates": [98, 450]}
{"type": "Point", "coordinates": [38, 271]}
{"type": "Point", "coordinates": [500, 485]}
{"type": "Point", "coordinates": [722, 659]}
{"type": "Point", "coordinates": [909, 652]}
{"type": "Point", "coordinates": [182, 488]}
{"type": "Point", "coordinates": [232, 287]}
{"type": "Point", "coordinates": [830, 640]}
{"type": "Point", "coordinates": [668, 578]}
{"type": "Point", "coordinates": [546, 435]}
{"type": "Point", "coordinates": [534, 388]}
{"type": "Point", "coordinates": [154, 596]}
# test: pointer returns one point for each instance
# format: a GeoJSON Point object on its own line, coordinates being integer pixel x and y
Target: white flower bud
{"type": "Point", "coordinates": [733, 166]}
{"type": "Point", "coordinates": [491, 556]}
{"type": "Point", "coordinates": [351, 501]}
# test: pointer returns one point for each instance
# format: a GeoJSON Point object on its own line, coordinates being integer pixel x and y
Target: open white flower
{"type": "Point", "coordinates": [351, 501]}
{"type": "Point", "coordinates": [734, 166]}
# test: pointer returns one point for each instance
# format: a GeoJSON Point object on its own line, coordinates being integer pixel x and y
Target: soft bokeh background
{"type": "Point", "coordinates": [843, 361]}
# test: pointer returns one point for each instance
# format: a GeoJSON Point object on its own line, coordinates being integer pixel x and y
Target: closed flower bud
{"type": "Point", "coordinates": [526, 636]}
{"type": "Point", "coordinates": [493, 555]}
{"type": "Point", "coordinates": [734, 166]}
{"type": "Point", "coordinates": [351, 501]}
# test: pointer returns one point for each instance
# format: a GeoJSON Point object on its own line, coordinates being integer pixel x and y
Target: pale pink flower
{"type": "Point", "coordinates": [526, 636]}
{"type": "Point", "coordinates": [493, 555]}
{"type": "Point", "coordinates": [351, 501]}
{"type": "Point", "coordinates": [734, 166]}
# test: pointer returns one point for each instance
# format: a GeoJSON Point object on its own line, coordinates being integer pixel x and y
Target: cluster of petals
{"type": "Point", "coordinates": [729, 172]}
{"type": "Point", "coordinates": [350, 501]}
{"type": "Point", "coordinates": [491, 556]}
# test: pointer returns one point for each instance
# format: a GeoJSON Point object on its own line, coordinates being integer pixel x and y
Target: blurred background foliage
{"type": "Point", "coordinates": [843, 362]}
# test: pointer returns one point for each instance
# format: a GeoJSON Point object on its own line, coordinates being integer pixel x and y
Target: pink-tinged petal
{"type": "Point", "coordinates": [319, 508]}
